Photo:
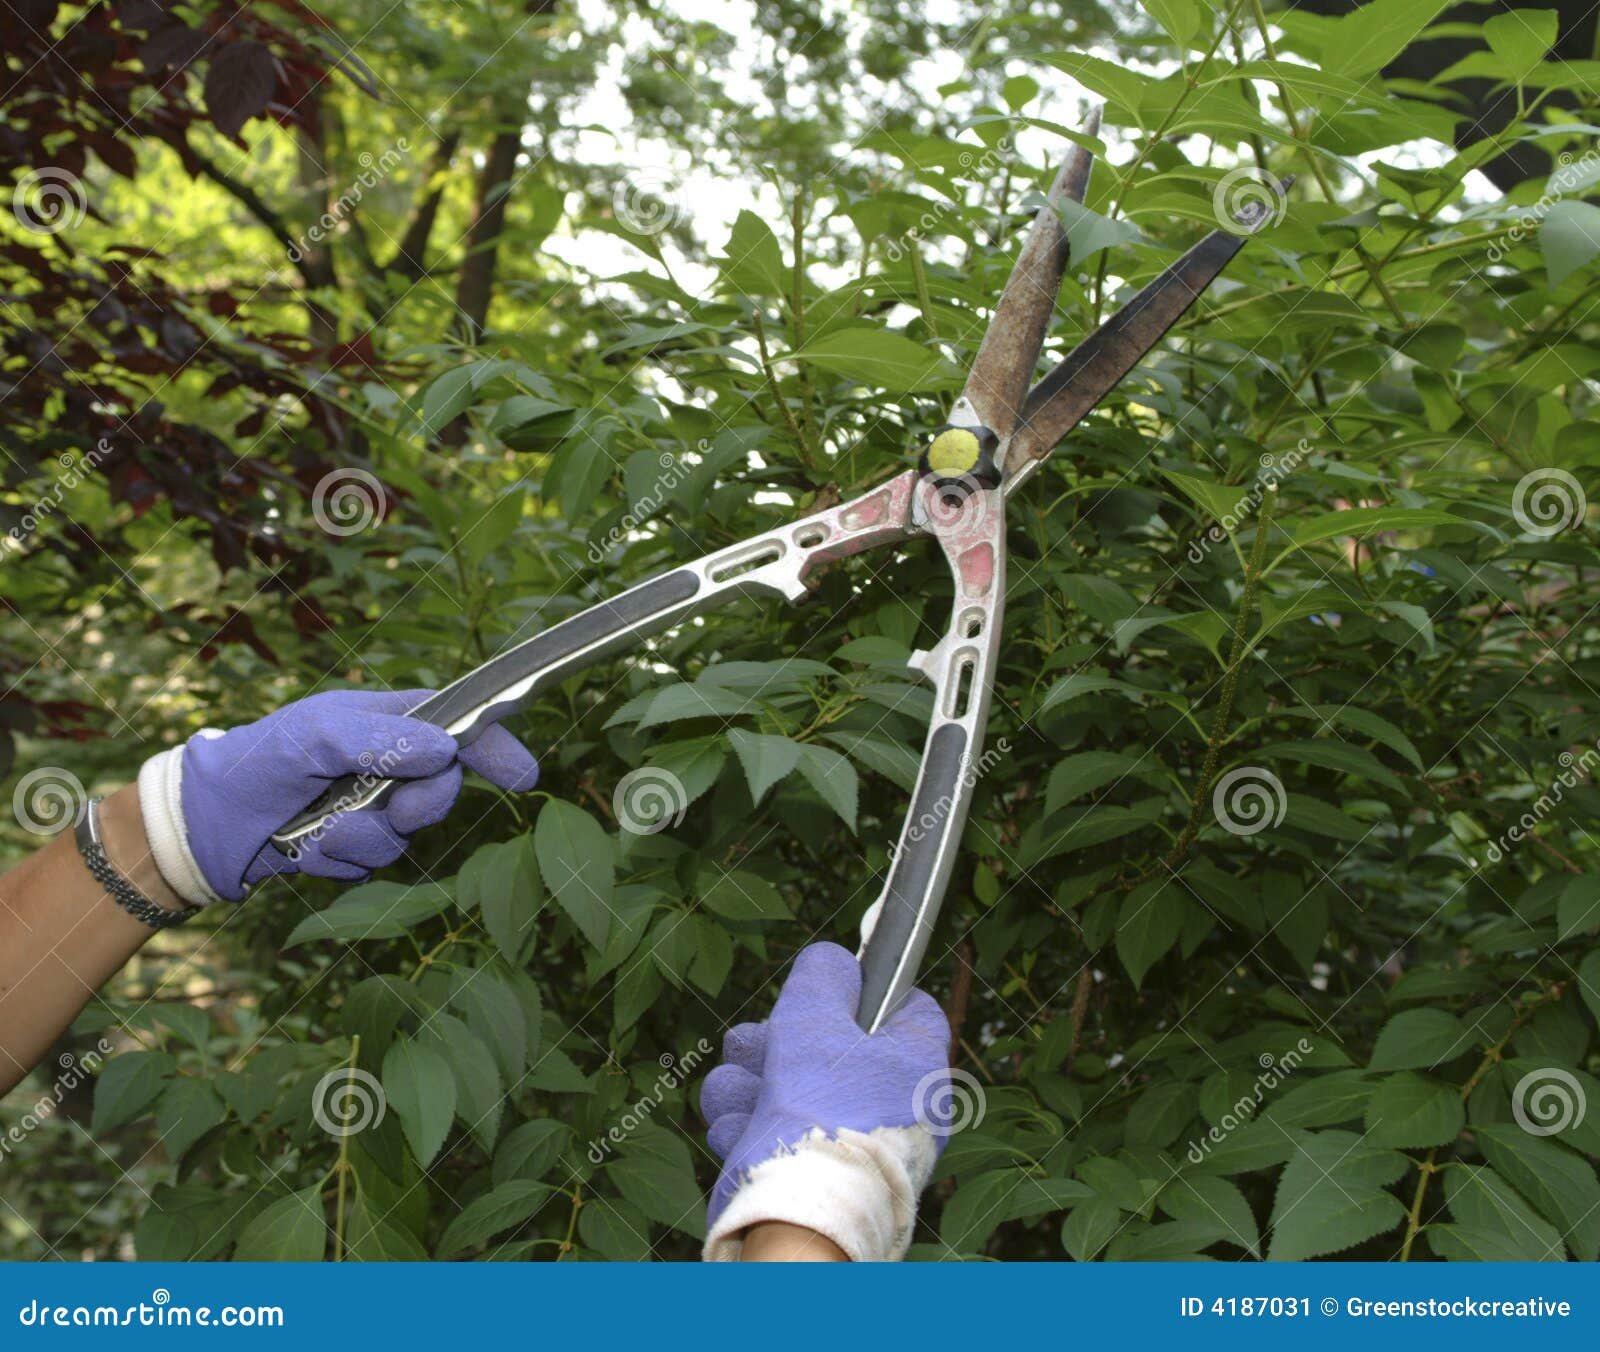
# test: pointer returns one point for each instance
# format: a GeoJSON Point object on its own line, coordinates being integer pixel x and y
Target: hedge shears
{"type": "Point", "coordinates": [997, 434]}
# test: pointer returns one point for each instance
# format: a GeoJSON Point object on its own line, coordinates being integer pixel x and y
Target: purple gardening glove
{"type": "Point", "coordinates": [229, 793]}
{"type": "Point", "coordinates": [839, 1111]}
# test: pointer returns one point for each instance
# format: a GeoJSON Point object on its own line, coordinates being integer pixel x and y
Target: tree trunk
{"type": "Point", "coordinates": [410, 259]}
{"type": "Point", "coordinates": [475, 287]}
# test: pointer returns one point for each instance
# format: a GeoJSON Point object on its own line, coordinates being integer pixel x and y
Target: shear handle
{"type": "Point", "coordinates": [774, 563]}
{"type": "Point", "coordinates": [962, 669]}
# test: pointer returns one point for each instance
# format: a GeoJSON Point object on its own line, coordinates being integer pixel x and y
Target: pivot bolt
{"type": "Point", "coordinates": [962, 454]}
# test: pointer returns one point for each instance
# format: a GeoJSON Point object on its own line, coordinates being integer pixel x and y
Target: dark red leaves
{"type": "Point", "coordinates": [239, 85]}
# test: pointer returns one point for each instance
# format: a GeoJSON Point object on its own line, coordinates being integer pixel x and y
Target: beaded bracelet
{"type": "Point", "coordinates": [124, 893]}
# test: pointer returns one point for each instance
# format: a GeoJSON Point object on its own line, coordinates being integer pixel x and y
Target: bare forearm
{"type": "Point", "coordinates": [776, 1242]}
{"type": "Point", "coordinates": [62, 937]}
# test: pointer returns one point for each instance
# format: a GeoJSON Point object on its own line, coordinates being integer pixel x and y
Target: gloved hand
{"type": "Point", "coordinates": [821, 1125]}
{"type": "Point", "coordinates": [211, 805]}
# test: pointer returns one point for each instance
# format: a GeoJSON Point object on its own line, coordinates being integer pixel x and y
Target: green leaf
{"type": "Point", "coordinates": [495, 1016]}
{"type": "Point", "coordinates": [654, 1171]}
{"type": "Point", "coordinates": [1180, 18]}
{"type": "Point", "coordinates": [834, 779]}
{"type": "Point", "coordinates": [1569, 238]}
{"type": "Point", "coordinates": [1082, 683]}
{"type": "Point", "coordinates": [1214, 1200]}
{"type": "Point", "coordinates": [421, 1090]}
{"type": "Point", "coordinates": [1366, 39]}
{"type": "Point", "coordinates": [766, 759]}
{"type": "Point", "coordinates": [1578, 910]}
{"type": "Point", "coordinates": [1416, 1039]}
{"type": "Point", "coordinates": [375, 1239]}
{"type": "Point", "coordinates": [1484, 1203]}
{"type": "Point", "coordinates": [1589, 983]}
{"type": "Point", "coordinates": [446, 396]}
{"type": "Point", "coordinates": [1521, 39]}
{"type": "Point", "coordinates": [291, 1230]}
{"type": "Point", "coordinates": [1090, 1227]}
{"type": "Point", "coordinates": [575, 857]}
{"type": "Point", "coordinates": [1223, 503]}
{"type": "Point", "coordinates": [494, 527]}
{"type": "Point", "coordinates": [1147, 925]}
{"type": "Point", "coordinates": [754, 262]}
{"type": "Point", "coordinates": [373, 1011]}
{"type": "Point", "coordinates": [127, 1086]}
{"type": "Point", "coordinates": [372, 911]}
{"type": "Point", "coordinates": [1326, 1101]}
{"type": "Point", "coordinates": [1090, 770]}
{"type": "Point", "coordinates": [502, 1208]}
{"type": "Point", "coordinates": [1160, 1114]}
{"type": "Point", "coordinates": [1332, 754]}
{"type": "Point", "coordinates": [1088, 232]}
{"type": "Point", "coordinates": [531, 1150]}
{"type": "Point", "coordinates": [1560, 1185]}
{"type": "Point", "coordinates": [737, 894]}
{"type": "Point", "coordinates": [1367, 723]}
{"type": "Point", "coordinates": [188, 1110]}
{"type": "Point", "coordinates": [501, 882]}
{"type": "Point", "coordinates": [1323, 819]}
{"type": "Point", "coordinates": [1409, 1110]}
{"type": "Point", "coordinates": [984, 1203]}
{"type": "Point", "coordinates": [1330, 1196]}
{"type": "Point", "coordinates": [871, 356]}
{"type": "Point", "coordinates": [1358, 523]}
{"type": "Point", "coordinates": [614, 1229]}
{"type": "Point", "coordinates": [694, 699]}
{"type": "Point", "coordinates": [478, 1099]}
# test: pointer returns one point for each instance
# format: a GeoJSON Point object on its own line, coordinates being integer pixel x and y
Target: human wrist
{"type": "Point", "coordinates": [780, 1242]}
{"type": "Point", "coordinates": [127, 847]}
{"type": "Point", "coordinates": [858, 1189]}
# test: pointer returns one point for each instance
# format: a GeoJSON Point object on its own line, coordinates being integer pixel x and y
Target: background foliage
{"type": "Point", "coordinates": [565, 362]}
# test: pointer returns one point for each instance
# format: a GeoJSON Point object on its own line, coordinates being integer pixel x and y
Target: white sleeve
{"type": "Point", "coordinates": [161, 806]}
{"type": "Point", "coordinates": [858, 1188]}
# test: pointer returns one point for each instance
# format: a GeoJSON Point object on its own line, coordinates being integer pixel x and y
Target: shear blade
{"type": "Point", "coordinates": [998, 382]}
{"type": "Point", "coordinates": [1092, 369]}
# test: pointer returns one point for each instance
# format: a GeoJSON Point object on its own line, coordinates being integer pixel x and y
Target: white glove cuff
{"type": "Point", "coordinates": [161, 805]}
{"type": "Point", "coordinates": [859, 1189]}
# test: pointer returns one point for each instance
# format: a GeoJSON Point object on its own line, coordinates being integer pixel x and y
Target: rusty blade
{"type": "Point", "coordinates": [1087, 374]}
{"type": "Point", "coordinates": [998, 382]}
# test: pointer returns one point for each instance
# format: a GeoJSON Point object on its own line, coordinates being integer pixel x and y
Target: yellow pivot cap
{"type": "Point", "coordinates": [958, 452]}
{"type": "Point", "coordinates": [954, 451]}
